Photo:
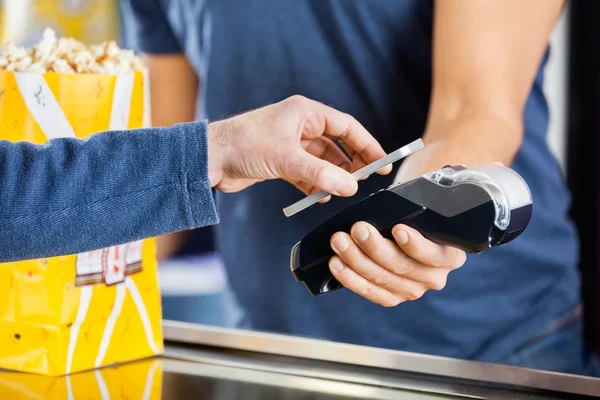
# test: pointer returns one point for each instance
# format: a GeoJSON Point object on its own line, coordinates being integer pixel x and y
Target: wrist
{"type": "Point", "coordinates": [472, 136]}
{"type": "Point", "coordinates": [447, 109]}
{"type": "Point", "coordinates": [216, 152]}
{"type": "Point", "coordinates": [492, 123]}
{"type": "Point", "coordinates": [454, 99]}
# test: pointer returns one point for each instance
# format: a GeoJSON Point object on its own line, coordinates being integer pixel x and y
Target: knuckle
{"type": "Point", "coordinates": [382, 278]}
{"type": "Point", "coordinates": [437, 282]}
{"type": "Point", "coordinates": [351, 124]}
{"type": "Point", "coordinates": [402, 267]}
{"type": "Point", "coordinates": [410, 296]}
{"type": "Point", "coordinates": [351, 120]}
{"type": "Point", "coordinates": [317, 175]}
{"type": "Point", "coordinates": [376, 247]}
{"type": "Point", "coordinates": [346, 165]}
{"type": "Point", "coordinates": [296, 97]}
{"type": "Point", "coordinates": [437, 259]}
{"type": "Point", "coordinates": [365, 291]}
{"type": "Point", "coordinates": [296, 100]}
{"type": "Point", "coordinates": [414, 293]}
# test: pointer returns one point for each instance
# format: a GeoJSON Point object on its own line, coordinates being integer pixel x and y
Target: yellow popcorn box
{"type": "Point", "coordinates": [140, 380]}
{"type": "Point", "coordinates": [78, 312]}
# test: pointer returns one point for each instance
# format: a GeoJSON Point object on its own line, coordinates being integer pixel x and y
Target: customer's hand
{"type": "Point", "coordinates": [292, 140]}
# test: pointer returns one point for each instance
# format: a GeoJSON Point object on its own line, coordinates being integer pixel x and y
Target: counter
{"type": "Point", "coordinates": [216, 363]}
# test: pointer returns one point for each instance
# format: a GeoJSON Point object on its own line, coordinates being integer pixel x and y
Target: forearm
{"type": "Point", "coordinates": [69, 196]}
{"type": "Point", "coordinates": [173, 89]}
{"type": "Point", "coordinates": [486, 55]}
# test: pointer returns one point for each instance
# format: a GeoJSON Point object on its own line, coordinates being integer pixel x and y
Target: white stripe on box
{"type": "Point", "coordinates": [150, 381]}
{"type": "Point", "coordinates": [147, 121]}
{"type": "Point", "coordinates": [84, 304]}
{"type": "Point", "coordinates": [110, 323]}
{"type": "Point", "coordinates": [43, 106]}
{"type": "Point", "coordinates": [102, 385]}
{"type": "Point", "coordinates": [69, 389]}
{"type": "Point", "coordinates": [141, 307]}
{"type": "Point", "coordinates": [121, 104]}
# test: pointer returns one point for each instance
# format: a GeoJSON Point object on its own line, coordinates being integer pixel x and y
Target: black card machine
{"type": "Point", "coordinates": [471, 209]}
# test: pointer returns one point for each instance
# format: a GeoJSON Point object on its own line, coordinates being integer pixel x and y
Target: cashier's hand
{"type": "Point", "coordinates": [390, 272]}
{"type": "Point", "coordinates": [292, 140]}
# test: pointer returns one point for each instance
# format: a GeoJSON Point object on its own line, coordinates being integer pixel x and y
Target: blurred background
{"type": "Point", "coordinates": [194, 283]}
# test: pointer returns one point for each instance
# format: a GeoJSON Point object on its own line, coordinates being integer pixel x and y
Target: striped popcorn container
{"type": "Point", "coordinates": [83, 311]}
{"type": "Point", "coordinates": [141, 380]}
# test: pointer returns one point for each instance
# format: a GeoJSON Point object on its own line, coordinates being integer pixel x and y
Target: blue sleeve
{"type": "Point", "coordinates": [69, 196]}
{"type": "Point", "coordinates": [146, 27]}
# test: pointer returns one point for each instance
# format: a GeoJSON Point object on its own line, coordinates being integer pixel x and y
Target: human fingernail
{"type": "Point", "coordinates": [336, 264]}
{"type": "Point", "coordinates": [325, 200]}
{"type": "Point", "coordinates": [385, 170]}
{"type": "Point", "coordinates": [401, 236]}
{"type": "Point", "coordinates": [340, 243]}
{"type": "Point", "coordinates": [361, 234]}
{"type": "Point", "coordinates": [347, 186]}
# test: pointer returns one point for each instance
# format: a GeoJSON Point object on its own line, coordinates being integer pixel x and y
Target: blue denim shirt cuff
{"type": "Point", "coordinates": [199, 195]}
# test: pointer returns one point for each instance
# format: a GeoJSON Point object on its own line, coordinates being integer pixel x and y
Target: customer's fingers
{"type": "Point", "coordinates": [323, 120]}
{"type": "Point", "coordinates": [327, 150]}
{"type": "Point", "coordinates": [358, 162]}
{"type": "Point", "coordinates": [301, 166]}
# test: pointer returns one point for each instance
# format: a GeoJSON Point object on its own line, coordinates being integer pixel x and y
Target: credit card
{"type": "Point", "coordinates": [358, 175]}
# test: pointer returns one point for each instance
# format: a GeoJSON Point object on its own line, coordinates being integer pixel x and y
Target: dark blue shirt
{"type": "Point", "coordinates": [371, 59]}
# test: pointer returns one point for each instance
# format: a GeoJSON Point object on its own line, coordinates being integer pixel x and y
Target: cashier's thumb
{"type": "Point", "coordinates": [322, 174]}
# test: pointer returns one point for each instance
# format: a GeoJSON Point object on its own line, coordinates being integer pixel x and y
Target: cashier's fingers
{"type": "Point", "coordinates": [405, 278]}
{"type": "Point", "coordinates": [361, 286]}
{"type": "Point", "coordinates": [425, 251]}
{"type": "Point", "coordinates": [386, 254]}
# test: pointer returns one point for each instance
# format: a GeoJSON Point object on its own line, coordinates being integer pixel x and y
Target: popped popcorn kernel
{"type": "Point", "coordinates": [68, 56]}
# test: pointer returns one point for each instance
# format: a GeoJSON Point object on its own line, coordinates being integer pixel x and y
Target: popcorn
{"type": "Point", "coordinates": [69, 56]}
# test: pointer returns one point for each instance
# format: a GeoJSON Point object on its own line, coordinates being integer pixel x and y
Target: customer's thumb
{"type": "Point", "coordinates": [322, 174]}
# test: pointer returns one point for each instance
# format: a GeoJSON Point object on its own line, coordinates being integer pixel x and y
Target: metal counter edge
{"type": "Point", "coordinates": [316, 349]}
